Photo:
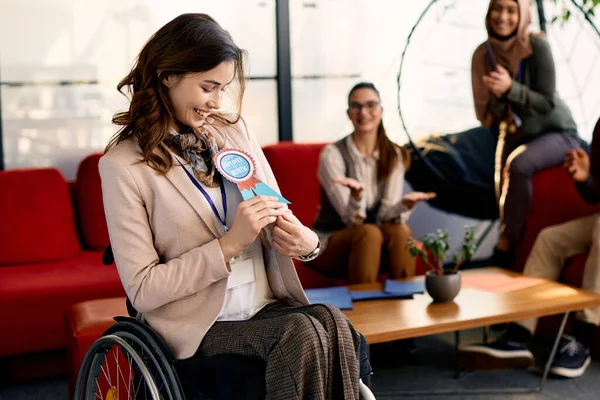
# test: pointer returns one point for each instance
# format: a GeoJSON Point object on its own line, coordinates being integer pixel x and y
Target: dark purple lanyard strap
{"type": "Point", "coordinates": [490, 57]}
{"type": "Point", "coordinates": [206, 195]}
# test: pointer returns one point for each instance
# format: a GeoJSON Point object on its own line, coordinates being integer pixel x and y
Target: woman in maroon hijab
{"type": "Point", "coordinates": [514, 81]}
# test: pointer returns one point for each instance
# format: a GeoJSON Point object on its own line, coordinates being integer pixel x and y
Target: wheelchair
{"type": "Point", "coordinates": [131, 362]}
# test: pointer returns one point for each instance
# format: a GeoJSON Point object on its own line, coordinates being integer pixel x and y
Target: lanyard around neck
{"type": "Point", "coordinates": [209, 200]}
{"type": "Point", "coordinates": [490, 57]}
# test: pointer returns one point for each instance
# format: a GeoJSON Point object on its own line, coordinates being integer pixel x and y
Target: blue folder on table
{"type": "Point", "coordinates": [404, 288]}
{"type": "Point", "coordinates": [377, 294]}
{"type": "Point", "coordinates": [337, 296]}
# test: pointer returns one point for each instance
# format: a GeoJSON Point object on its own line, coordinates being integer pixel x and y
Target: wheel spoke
{"type": "Point", "coordinates": [98, 390]}
{"type": "Point", "coordinates": [146, 368]}
{"type": "Point", "coordinates": [138, 388]}
{"type": "Point", "coordinates": [107, 374]}
{"type": "Point", "coordinates": [104, 373]}
{"type": "Point", "coordinates": [127, 383]}
{"type": "Point", "coordinates": [118, 371]}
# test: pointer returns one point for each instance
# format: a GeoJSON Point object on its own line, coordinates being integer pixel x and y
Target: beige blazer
{"type": "Point", "coordinates": [166, 247]}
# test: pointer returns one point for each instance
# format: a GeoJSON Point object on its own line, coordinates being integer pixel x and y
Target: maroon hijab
{"type": "Point", "coordinates": [508, 52]}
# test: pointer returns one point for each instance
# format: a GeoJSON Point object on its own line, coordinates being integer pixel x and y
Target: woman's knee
{"type": "Point", "coordinates": [328, 314]}
{"type": "Point", "coordinates": [399, 231]}
{"type": "Point", "coordinates": [369, 233]}
{"type": "Point", "coordinates": [321, 311]}
{"type": "Point", "coordinates": [300, 329]}
{"type": "Point", "coordinates": [549, 240]}
{"type": "Point", "coordinates": [596, 231]}
{"type": "Point", "coordinates": [521, 166]}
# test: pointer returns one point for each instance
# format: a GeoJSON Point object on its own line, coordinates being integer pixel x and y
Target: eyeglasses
{"type": "Point", "coordinates": [369, 105]}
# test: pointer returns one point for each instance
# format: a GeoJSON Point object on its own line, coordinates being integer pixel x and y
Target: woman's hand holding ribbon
{"type": "Point", "coordinates": [291, 238]}
{"type": "Point", "coordinates": [251, 216]}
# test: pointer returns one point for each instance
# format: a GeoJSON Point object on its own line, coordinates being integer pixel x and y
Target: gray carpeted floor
{"type": "Point", "coordinates": [430, 367]}
{"type": "Point", "coordinates": [433, 367]}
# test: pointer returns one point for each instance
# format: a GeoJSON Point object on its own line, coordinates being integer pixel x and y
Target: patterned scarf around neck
{"type": "Point", "coordinates": [198, 149]}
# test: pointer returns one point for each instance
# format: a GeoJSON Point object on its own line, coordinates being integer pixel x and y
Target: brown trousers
{"type": "Point", "coordinates": [357, 252]}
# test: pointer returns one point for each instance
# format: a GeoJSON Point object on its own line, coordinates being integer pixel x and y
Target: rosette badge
{"type": "Point", "coordinates": [239, 168]}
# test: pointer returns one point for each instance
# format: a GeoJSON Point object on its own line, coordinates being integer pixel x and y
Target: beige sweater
{"type": "Point", "coordinates": [166, 247]}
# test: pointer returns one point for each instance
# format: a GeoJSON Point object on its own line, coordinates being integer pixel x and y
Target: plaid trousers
{"type": "Point", "coordinates": [311, 352]}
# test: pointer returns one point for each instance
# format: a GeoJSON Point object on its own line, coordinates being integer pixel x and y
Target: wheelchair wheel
{"type": "Point", "coordinates": [127, 364]}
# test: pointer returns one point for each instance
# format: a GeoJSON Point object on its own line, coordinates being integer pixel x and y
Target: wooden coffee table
{"type": "Point", "coordinates": [390, 319]}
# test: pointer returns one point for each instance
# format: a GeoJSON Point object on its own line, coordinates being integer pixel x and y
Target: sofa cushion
{"type": "Point", "coordinates": [35, 297]}
{"type": "Point", "coordinates": [89, 207]}
{"type": "Point", "coordinates": [295, 168]}
{"type": "Point", "coordinates": [38, 223]}
{"type": "Point", "coordinates": [84, 323]}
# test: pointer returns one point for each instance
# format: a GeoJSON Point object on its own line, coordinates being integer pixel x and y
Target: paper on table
{"type": "Point", "coordinates": [498, 283]}
{"type": "Point", "coordinates": [337, 296]}
{"type": "Point", "coordinates": [404, 288]}
{"type": "Point", "coordinates": [377, 294]}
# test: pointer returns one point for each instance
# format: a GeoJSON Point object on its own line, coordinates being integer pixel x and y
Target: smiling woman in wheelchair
{"type": "Point", "coordinates": [207, 264]}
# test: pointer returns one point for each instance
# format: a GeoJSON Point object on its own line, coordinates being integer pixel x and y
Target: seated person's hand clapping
{"type": "Point", "coordinates": [498, 82]}
{"type": "Point", "coordinates": [577, 164]}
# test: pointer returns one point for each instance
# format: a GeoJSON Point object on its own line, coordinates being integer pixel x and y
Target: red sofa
{"type": "Point", "coordinates": [51, 236]}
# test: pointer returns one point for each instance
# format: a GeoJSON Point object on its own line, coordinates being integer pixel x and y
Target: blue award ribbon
{"type": "Point", "coordinates": [239, 168]}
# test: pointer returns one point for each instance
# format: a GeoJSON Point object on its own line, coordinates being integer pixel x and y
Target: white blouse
{"type": "Point", "coordinates": [331, 165]}
{"type": "Point", "coordinates": [248, 288]}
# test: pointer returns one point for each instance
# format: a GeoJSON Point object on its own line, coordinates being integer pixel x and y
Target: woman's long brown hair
{"type": "Point", "coordinates": [388, 150]}
{"type": "Point", "coordinates": [190, 43]}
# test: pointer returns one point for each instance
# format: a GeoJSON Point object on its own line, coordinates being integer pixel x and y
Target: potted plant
{"type": "Point", "coordinates": [442, 282]}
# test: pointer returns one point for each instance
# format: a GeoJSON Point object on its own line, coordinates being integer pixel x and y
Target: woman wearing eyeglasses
{"type": "Point", "coordinates": [362, 217]}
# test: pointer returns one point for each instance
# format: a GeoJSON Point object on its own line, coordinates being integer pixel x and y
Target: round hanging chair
{"type": "Point", "coordinates": [435, 98]}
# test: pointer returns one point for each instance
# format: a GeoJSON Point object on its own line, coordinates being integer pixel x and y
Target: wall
{"type": "Point", "coordinates": [60, 74]}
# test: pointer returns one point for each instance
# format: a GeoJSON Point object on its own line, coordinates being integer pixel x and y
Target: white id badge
{"type": "Point", "coordinates": [242, 270]}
